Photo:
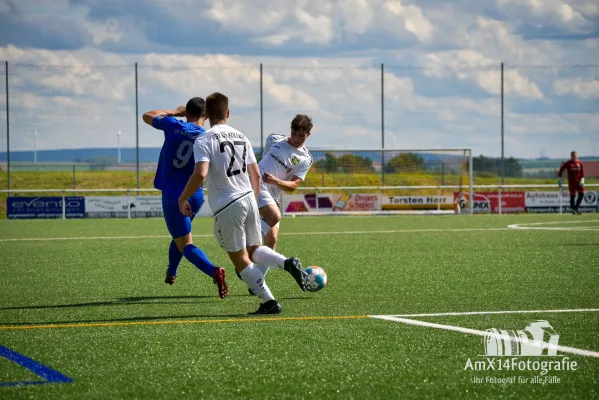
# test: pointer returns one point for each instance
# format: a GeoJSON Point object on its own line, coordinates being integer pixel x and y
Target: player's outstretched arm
{"type": "Point", "coordinates": [286, 186]}
{"type": "Point", "coordinates": [196, 180]}
{"type": "Point", "coordinates": [149, 116]}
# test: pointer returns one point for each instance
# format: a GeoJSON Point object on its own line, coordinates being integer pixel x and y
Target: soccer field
{"type": "Point", "coordinates": [86, 300]}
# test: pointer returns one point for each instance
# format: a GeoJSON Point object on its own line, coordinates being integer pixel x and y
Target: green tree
{"type": "Point", "coordinates": [354, 163]}
{"type": "Point", "coordinates": [327, 164]}
{"type": "Point", "coordinates": [407, 162]}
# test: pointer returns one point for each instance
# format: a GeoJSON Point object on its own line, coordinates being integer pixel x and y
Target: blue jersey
{"type": "Point", "coordinates": [176, 161]}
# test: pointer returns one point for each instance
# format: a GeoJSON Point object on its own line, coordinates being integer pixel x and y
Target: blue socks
{"type": "Point", "coordinates": [198, 258]}
{"type": "Point", "coordinates": [174, 258]}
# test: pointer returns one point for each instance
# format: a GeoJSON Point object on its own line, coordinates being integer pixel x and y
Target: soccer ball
{"type": "Point", "coordinates": [317, 278]}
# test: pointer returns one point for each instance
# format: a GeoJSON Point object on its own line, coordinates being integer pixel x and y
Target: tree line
{"type": "Point", "coordinates": [413, 162]}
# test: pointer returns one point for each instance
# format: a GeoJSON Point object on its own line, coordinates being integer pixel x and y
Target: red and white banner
{"type": "Point", "coordinates": [488, 202]}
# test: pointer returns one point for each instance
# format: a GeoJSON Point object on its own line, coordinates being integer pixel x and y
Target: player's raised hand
{"type": "Point", "coordinates": [268, 178]}
{"type": "Point", "coordinates": [180, 111]}
{"type": "Point", "coordinates": [185, 208]}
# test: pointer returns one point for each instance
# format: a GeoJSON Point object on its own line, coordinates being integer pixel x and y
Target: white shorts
{"type": "Point", "coordinates": [266, 197]}
{"type": "Point", "coordinates": [238, 225]}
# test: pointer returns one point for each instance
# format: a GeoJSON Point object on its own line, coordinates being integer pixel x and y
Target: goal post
{"type": "Point", "coordinates": [385, 181]}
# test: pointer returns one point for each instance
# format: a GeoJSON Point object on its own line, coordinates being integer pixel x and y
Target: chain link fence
{"type": "Point", "coordinates": [81, 124]}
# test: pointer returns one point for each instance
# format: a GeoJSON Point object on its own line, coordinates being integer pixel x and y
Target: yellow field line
{"type": "Point", "coordinates": [178, 322]}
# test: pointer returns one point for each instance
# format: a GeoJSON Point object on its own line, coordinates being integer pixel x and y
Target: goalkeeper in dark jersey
{"type": "Point", "coordinates": [575, 170]}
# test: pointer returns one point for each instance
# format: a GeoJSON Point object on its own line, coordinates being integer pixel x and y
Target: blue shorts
{"type": "Point", "coordinates": [178, 224]}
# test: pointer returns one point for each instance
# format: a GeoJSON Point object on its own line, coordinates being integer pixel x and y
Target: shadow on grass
{"type": "Point", "coordinates": [124, 321]}
{"type": "Point", "coordinates": [122, 301]}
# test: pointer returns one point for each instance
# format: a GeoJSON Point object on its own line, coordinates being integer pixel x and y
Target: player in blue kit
{"type": "Point", "coordinates": [175, 166]}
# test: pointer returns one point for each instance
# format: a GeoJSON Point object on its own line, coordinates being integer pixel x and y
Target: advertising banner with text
{"type": "Point", "coordinates": [121, 206]}
{"type": "Point", "coordinates": [488, 202]}
{"type": "Point", "coordinates": [417, 202]}
{"type": "Point", "coordinates": [327, 202]}
{"type": "Point", "coordinates": [44, 207]}
{"type": "Point", "coordinates": [549, 202]}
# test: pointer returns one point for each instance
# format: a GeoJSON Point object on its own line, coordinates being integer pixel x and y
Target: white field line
{"type": "Point", "coordinates": [537, 226]}
{"type": "Point", "coordinates": [449, 314]}
{"type": "Point", "coordinates": [282, 233]}
{"type": "Point", "coordinates": [563, 349]}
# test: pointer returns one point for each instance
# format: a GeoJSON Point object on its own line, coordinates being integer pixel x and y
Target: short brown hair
{"type": "Point", "coordinates": [217, 105]}
{"type": "Point", "coordinates": [301, 123]}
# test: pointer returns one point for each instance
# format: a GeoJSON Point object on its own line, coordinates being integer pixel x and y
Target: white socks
{"type": "Point", "coordinates": [264, 255]}
{"type": "Point", "coordinates": [265, 228]}
{"type": "Point", "coordinates": [255, 281]}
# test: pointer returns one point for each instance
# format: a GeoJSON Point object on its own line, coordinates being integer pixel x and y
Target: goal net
{"type": "Point", "coordinates": [384, 181]}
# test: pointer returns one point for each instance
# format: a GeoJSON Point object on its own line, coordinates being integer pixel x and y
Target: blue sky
{"type": "Point", "coordinates": [71, 73]}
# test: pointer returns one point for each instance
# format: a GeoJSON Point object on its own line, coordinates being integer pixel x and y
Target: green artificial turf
{"type": "Point", "coordinates": [97, 309]}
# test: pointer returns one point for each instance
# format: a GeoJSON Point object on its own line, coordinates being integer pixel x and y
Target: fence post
{"type": "Point", "coordinates": [128, 203]}
{"type": "Point", "coordinates": [383, 122]}
{"type": "Point", "coordinates": [7, 129]}
{"type": "Point", "coordinates": [136, 126]}
{"type": "Point", "coordinates": [261, 117]}
{"type": "Point", "coordinates": [74, 177]}
{"type": "Point", "coordinates": [471, 183]}
{"type": "Point", "coordinates": [442, 174]}
{"type": "Point", "coordinates": [561, 198]}
{"type": "Point", "coordinates": [502, 128]}
{"type": "Point", "coordinates": [499, 198]}
{"type": "Point", "coordinates": [64, 206]}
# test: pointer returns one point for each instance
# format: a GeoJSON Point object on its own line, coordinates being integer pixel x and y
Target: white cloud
{"type": "Point", "coordinates": [317, 29]}
{"type": "Point", "coordinates": [450, 99]}
{"type": "Point", "coordinates": [356, 15]}
{"type": "Point", "coordinates": [410, 16]}
{"type": "Point", "coordinates": [234, 15]}
{"type": "Point", "coordinates": [553, 13]}
{"type": "Point", "coordinates": [583, 89]}
{"type": "Point", "coordinates": [102, 32]}
{"type": "Point", "coordinates": [469, 65]}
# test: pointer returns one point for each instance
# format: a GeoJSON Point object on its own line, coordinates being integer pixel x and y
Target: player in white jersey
{"type": "Point", "coordinates": [224, 157]}
{"type": "Point", "coordinates": [284, 165]}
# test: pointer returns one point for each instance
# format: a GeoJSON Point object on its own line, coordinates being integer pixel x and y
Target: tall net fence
{"type": "Point", "coordinates": [442, 106]}
{"type": "Point", "coordinates": [87, 113]}
{"type": "Point", "coordinates": [547, 106]}
{"type": "Point", "coordinates": [389, 168]}
{"type": "Point", "coordinates": [169, 86]}
{"type": "Point", "coordinates": [383, 181]}
{"type": "Point", "coordinates": [343, 101]}
{"type": "Point", "coordinates": [3, 133]}
{"type": "Point", "coordinates": [78, 121]}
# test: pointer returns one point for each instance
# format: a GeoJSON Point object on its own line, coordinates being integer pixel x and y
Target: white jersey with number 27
{"type": "Point", "coordinates": [229, 153]}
